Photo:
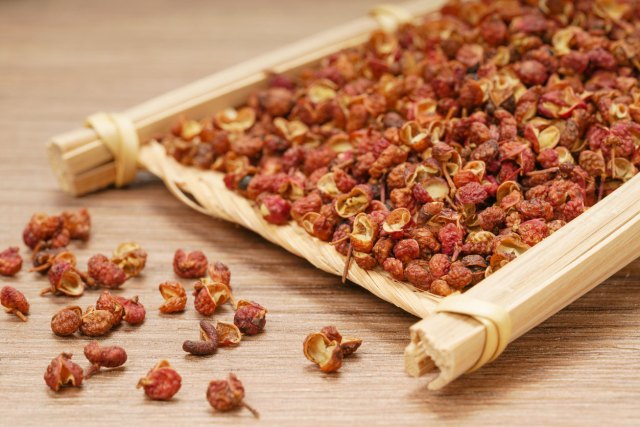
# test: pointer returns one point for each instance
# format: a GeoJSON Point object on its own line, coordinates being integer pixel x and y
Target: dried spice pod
{"type": "Point", "coordinates": [14, 302]}
{"type": "Point", "coordinates": [192, 265]}
{"type": "Point", "coordinates": [208, 343]}
{"type": "Point", "coordinates": [10, 261]}
{"type": "Point", "coordinates": [134, 311]}
{"type": "Point", "coordinates": [103, 357]}
{"type": "Point", "coordinates": [175, 297]}
{"type": "Point", "coordinates": [323, 352]}
{"type": "Point", "coordinates": [44, 228]}
{"type": "Point", "coordinates": [44, 258]}
{"type": "Point", "coordinates": [67, 321]}
{"type": "Point", "coordinates": [130, 257]}
{"type": "Point", "coordinates": [228, 334]}
{"type": "Point", "coordinates": [112, 304]}
{"type": "Point", "coordinates": [62, 372]}
{"type": "Point", "coordinates": [349, 345]}
{"type": "Point", "coordinates": [105, 272]}
{"type": "Point", "coordinates": [227, 395]}
{"type": "Point", "coordinates": [65, 279]}
{"type": "Point", "coordinates": [77, 223]}
{"type": "Point", "coordinates": [250, 317]}
{"type": "Point", "coordinates": [162, 382]}
{"type": "Point", "coordinates": [219, 272]}
{"type": "Point", "coordinates": [96, 323]}
{"type": "Point", "coordinates": [209, 295]}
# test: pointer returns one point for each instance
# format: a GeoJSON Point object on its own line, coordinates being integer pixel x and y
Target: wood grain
{"type": "Point", "coordinates": [59, 62]}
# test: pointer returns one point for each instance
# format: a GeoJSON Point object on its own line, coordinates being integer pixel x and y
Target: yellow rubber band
{"type": "Point", "coordinates": [495, 319]}
{"type": "Point", "coordinates": [121, 138]}
{"type": "Point", "coordinates": [390, 16]}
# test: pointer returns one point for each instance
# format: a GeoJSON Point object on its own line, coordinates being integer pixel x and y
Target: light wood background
{"type": "Point", "coordinates": [62, 60]}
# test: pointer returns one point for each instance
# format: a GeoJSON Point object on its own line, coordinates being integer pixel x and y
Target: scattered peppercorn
{"type": "Point", "coordinates": [250, 317]}
{"type": "Point", "coordinates": [219, 272]}
{"type": "Point", "coordinates": [175, 297]}
{"type": "Point", "coordinates": [228, 334]}
{"type": "Point", "coordinates": [134, 311]}
{"type": "Point", "coordinates": [14, 302]}
{"type": "Point", "coordinates": [227, 395]}
{"type": "Point", "coordinates": [162, 382]}
{"type": "Point", "coordinates": [65, 279]}
{"type": "Point", "coordinates": [10, 261]}
{"type": "Point", "coordinates": [192, 265]}
{"type": "Point", "coordinates": [106, 272]}
{"type": "Point", "coordinates": [209, 295]}
{"type": "Point", "coordinates": [96, 323]}
{"type": "Point", "coordinates": [349, 345]}
{"type": "Point", "coordinates": [322, 351]}
{"type": "Point", "coordinates": [131, 258]}
{"type": "Point", "coordinates": [103, 357]}
{"type": "Point", "coordinates": [62, 372]}
{"type": "Point", "coordinates": [67, 321]}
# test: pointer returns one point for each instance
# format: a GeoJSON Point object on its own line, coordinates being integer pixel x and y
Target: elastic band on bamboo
{"type": "Point", "coordinates": [121, 138]}
{"type": "Point", "coordinates": [495, 319]}
{"type": "Point", "coordinates": [390, 16]}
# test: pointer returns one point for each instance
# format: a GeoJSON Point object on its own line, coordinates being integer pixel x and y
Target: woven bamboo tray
{"type": "Point", "coordinates": [502, 307]}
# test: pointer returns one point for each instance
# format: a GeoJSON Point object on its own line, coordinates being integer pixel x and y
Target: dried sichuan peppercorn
{"type": "Point", "coordinates": [77, 223]}
{"type": "Point", "coordinates": [42, 227]}
{"type": "Point", "coordinates": [64, 278]}
{"type": "Point", "coordinates": [175, 297]}
{"type": "Point", "coordinates": [250, 317]}
{"type": "Point", "coordinates": [219, 272]}
{"type": "Point", "coordinates": [209, 295]}
{"type": "Point", "coordinates": [228, 334]}
{"type": "Point", "coordinates": [525, 114]}
{"type": "Point", "coordinates": [103, 357]}
{"type": "Point", "coordinates": [134, 311]}
{"type": "Point", "coordinates": [130, 257]}
{"type": "Point", "coordinates": [14, 302]}
{"type": "Point", "coordinates": [105, 272]}
{"type": "Point", "coordinates": [112, 304]}
{"type": "Point", "coordinates": [192, 265]}
{"type": "Point", "coordinates": [162, 382]}
{"type": "Point", "coordinates": [43, 258]}
{"type": "Point", "coordinates": [62, 372]}
{"type": "Point", "coordinates": [227, 395]}
{"type": "Point", "coordinates": [10, 261]}
{"type": "Point", "coordinates": [67, 321]}
{"type": "Point", "coordinates": [96, 323]}
{"type": "Point", "coordinates": [322, 351]}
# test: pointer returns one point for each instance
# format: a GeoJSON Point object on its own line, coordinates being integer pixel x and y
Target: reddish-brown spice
{"type": "Point", "coordinates": [111, 303]}
{"type": "Point", "coordinates": [65, 279]}
{"type": "Point", "coordinates": [209, 295]}
{"type": "Point", "coordinates": [103, 357]}
{"type": "Point", "coordinates": [451, 132]}
{"type": "Point", "coordinates": [219, 272]}
{"type": "Point", "coordinates": [162, 382]}
{"type": "Point", "coordinates": [62, 372]}
{"type": "Point", "coordinates": [192, 265]}
{"type": "Point", "coordinates": [105, 272]}
{"type": "Point", "coordinates": [96, 323]}
{"type": "Point", "coordinates": [14, 302]}
{"type": "Point", "coordinates": [67, 321]}
{"type": "Point", "coordinates": [131, 258]}
{"type": "Point", "coordinates": [250, 317]}
{"type": "Point", "coordinates": [175, 297]}
{"type": "Point", "coordinates": [10, 261]}
{"type": "Point", "coordinates": [227, 395]}
{"type": "Point", "coordinates": [208, 343]}
{"type": "Point", "coordinates": [134, 311]}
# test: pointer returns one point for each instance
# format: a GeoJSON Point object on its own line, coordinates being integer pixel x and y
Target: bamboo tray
{"type": "Point", "coordinates": [501, 308]}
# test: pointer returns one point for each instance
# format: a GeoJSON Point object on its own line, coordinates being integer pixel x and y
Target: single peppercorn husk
{"type": "Point", "coordinates": [62, 372]}
{"type": "Point", "coordinates": [322, 351]}
{"type": "Point", "coordinates": [14, 302]}
{"type": "Point", "coordinates": [250, 317]}
{"type": "Point", "coordinates": [67, 321]}
{"type": "Point", "coordinates": [226, 395]}
{"type": "Point", "coordinates": [103, 357]}
{"type": "Point", "coordinates": [130, 257]}
{"type": "Point", "coordinates": [175, 297]}
{"type": "Point", "coordinates": [162, 382]}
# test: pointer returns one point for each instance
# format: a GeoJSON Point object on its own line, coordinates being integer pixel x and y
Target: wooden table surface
{"type": "Point", "coordinates": [62, 60]}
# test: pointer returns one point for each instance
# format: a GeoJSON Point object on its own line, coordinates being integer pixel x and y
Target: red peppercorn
{"type": "Point", "coordinates": [14, 302]}
{"type": "Point", "coordinates": [190, 266]}
{"type": "Point", "coordinates": [162, 382]}
{"type": "Point", "coordinates": [10, 261]}
{"type": "Point", "coordinates": [250, 317]}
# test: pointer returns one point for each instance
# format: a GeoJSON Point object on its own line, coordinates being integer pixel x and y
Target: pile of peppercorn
{"type": "Point", "coordinates": [444, 150]}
